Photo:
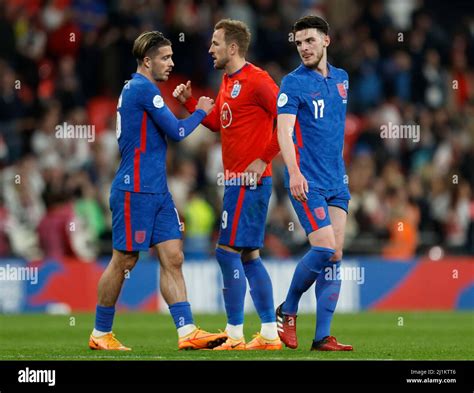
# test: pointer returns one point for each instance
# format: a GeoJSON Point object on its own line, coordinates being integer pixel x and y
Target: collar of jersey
{"type": "Point", "coordinates": [138, 75]}
{"type": "Point", "coordinates": [238, 71]}
{"type": "Point", "coordinates": [317, 75]}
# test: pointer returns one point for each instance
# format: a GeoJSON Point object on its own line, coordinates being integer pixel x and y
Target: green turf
{"type": "Point", "coordinates": [428, 335]}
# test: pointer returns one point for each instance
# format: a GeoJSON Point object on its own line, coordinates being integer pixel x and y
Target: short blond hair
{"type": "Point", "coordinates": [235, 31]}
{"type": "Point", "coordinates": [147, 43]}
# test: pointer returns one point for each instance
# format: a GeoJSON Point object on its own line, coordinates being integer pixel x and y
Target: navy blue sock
{"type": "Point", "coordinates": [181, 313]}
{"type": "Point", "coordinates": [104, 318]}
{"type": "Point", "coordinates": [235, 285]}
{"type": "Point", "coordinates": [305, 274]}
{"type": "Point", "coordinates": [260, 289]}
{"type": "Point", "coordinates": [328, 287]}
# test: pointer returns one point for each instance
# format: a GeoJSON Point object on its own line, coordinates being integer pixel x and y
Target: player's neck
{"type": "Point", "coordinates": [234, 65]}
{"type": "Point", "coordinates": [146, 74]}
{"type": "Point", "coordinates": [322, 68]}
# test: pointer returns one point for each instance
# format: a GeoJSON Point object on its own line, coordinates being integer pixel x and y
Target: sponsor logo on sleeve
{"type": "Point", "coordinates": [282, 100]}
{"type": "Point", "coordinates": [158, 101]}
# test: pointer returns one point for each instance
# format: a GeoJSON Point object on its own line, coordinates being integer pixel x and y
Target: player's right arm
{"type": "Point", "coordinates": [167, 121]}
{"type": "Point", "coordinates": [287, 106]}
{"type": "Point", "coordinates": [298, 184]}
{"type": "Point", "coordinates": [183, 93]}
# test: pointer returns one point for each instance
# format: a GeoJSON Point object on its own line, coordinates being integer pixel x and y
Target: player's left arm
{"type": "Point", "coordinates": [183, 93]}
{"type": "Point", "coordinates": [177, 130]}
{"type": "Point", "coordinates": [266, 95]}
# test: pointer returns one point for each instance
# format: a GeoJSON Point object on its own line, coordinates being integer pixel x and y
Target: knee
{"type": "Point", "coordinates": [126, 262]}
{"type": "Point", "coordinates": [174, 260]}
{"type": "Point", "coordinates": [250, 255]}
{"type": "Point", "coordinates": [337, 256]}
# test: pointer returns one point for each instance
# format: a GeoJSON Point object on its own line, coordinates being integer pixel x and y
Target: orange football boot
{"type": "Point", "coordinates": [200, 339]}
{"type": "Point", "coordinates": [107, 342]}
{"type": "Point", "coordinates": [263, 344]}
{"type": "Point", "coordinates": [232, 344]}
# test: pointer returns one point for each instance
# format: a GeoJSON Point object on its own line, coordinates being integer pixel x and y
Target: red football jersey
{"type": "Point", "coordinates": [244, 114]}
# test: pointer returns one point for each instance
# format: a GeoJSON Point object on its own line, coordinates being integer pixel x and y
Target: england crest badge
{"type": "Point", "coordinates": [342, 90]}
{"type": "Point", "coordinates": [236, 89]}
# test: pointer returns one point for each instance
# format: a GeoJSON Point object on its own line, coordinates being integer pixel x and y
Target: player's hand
{"type": "Point", "coordinates": [299, 187]}
{"type": "Point", "coordinates": [206, 104]}
{"type": "Point", "coordinates": [182, 92]}
{"type": "Point", "coordinates": [255, 171]}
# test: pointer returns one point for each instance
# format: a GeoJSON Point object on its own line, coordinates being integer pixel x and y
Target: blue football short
{"type": "Point", "coordinates": [244, 214]}
{"type": "Point", "coordinates": [314, 214]}
{"type": "Point", "coordinates": [141, 220]}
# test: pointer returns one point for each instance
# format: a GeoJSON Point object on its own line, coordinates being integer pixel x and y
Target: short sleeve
{"type": "Point", "coordinates": [346, 80]}
{"type": "Point", "coordinates": [288, 97]}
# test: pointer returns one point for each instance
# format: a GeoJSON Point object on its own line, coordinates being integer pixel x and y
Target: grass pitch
{"type": "Point", "coordinates": [400, 336]}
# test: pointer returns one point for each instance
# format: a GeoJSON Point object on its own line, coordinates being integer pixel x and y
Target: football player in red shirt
{"type": "Point", "coordinates": [244, 114]}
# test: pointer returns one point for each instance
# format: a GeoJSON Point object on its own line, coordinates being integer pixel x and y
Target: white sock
{"type": "Point", "coordinates": [269, 330]}
{"type": "Point", "coordinates": [186, 329]}
{"type": "Point", "coordinates": [235, 331]}
{"type": "Point", "coordinates": [98, 333]}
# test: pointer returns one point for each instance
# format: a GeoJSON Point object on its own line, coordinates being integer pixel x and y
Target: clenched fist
{"type": "Point", "coordinates": [205, 103]}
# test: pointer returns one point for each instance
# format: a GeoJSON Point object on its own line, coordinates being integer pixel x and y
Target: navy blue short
{"type": "Point", "coordinates": [141, 220]}
{"type": "Point", "coordinates": [314, 214]}
{"type": "Point", "coordinates": [244, 214]}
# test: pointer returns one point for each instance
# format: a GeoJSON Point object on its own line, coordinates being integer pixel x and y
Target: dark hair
{"type": "Point", "coordinates": [311, 22]}
{"type": "Point", "coordinates": [147, 43]}
{"type": "Point", "coordinates": [235, 31]}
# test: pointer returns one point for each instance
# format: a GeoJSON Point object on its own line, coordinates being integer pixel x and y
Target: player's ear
{"type": "Point", "coordinates": [233, 48]}
{"type": "Point", "coordinates": [147, 62]}
{"type": "Point", "coordinates": [327, 40]}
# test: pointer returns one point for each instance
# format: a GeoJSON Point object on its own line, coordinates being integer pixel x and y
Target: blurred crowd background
{"type": "Point", "coordinates": [410, 62]}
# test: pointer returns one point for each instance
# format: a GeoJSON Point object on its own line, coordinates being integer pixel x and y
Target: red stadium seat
{"type": "Point", "coordinates": [99, 110]}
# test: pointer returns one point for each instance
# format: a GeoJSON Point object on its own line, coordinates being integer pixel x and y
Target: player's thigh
{"type": "Point", "coordinates": [338, 207]}
{"type": "Point", "coordinates": [338, 221]}
{"type": "Point", "coordinates": [170, 253]}
{"type": "Point", "coordinates": [167, 225]}
{"type": "Point", "coordinates": [314, 217]}
{"type": "Point", "coordinates": [323, 237]}
{"type": "Point", "coordinates": [132, 220]}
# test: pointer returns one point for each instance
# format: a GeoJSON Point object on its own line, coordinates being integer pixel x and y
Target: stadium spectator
{"type": "Point", "coordinates": [408, 65]}
{"type": "Point", "coordinates": [199, 219]}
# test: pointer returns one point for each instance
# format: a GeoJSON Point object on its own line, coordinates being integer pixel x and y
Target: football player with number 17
{"type": "Point", "coordinates": [311, 116]}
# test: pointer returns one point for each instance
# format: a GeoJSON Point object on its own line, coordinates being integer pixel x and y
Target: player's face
{"type": "Point", "coordinates": [161, 64]}
{"type": "Point", "coordinates": [219, 50]}
{"type": "Point", "coordinates": [311, 44]}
